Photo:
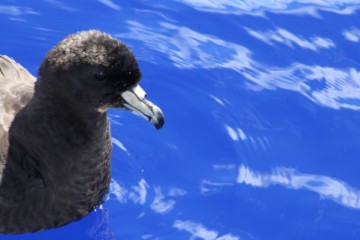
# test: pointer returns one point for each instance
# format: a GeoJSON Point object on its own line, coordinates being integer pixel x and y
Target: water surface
{"type": "Point", "coordinates": [261, 100]}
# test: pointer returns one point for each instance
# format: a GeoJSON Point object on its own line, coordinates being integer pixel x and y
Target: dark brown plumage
{"type": "Point", "coordinates": [55, 164]}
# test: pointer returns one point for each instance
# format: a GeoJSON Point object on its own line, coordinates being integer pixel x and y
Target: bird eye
{"type": "Point", "coordinates": [100, 75]}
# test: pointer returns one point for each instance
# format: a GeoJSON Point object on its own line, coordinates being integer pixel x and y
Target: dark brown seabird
{"type": "Point", "coordinates": [55, 142]}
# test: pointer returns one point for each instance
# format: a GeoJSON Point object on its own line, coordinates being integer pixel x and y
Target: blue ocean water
{"type": "Point", "coordinates": [261, 99]}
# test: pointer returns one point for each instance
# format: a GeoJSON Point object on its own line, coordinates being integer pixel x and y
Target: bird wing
{"type": "Point", "coordinates": [16, 90]}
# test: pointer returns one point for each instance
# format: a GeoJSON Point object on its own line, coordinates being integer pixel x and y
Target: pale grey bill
{"type": "Point", "coordinates": [135, 100]}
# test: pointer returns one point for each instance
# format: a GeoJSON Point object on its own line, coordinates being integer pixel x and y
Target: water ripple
{"type": "Point", "coordinates": [327, 187]}
{"type": "Point", "coordinates": [285, 37]}
{"type": "Point", "coordinates": [352, 35]}
{"type": "Point", "coordinates": [61, 5]}
{"type": "Point", "coordinates": [188, 49]}
{"type": "Point", "coordinates": [199, 231]}
{"type": "Point", "coordinates": [17, 10]}
{"type": "Point", "coordinates": [257, 7]}
{"type": "Point", "coordinates": [162, 201]}
{"type": "Point", "coordinates": [110, 4]}
{"type": "Point", "coordinates": [327, 86]}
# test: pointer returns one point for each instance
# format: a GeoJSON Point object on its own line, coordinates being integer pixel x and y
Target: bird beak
{"type": "Point", "coordinates": [135, 101]}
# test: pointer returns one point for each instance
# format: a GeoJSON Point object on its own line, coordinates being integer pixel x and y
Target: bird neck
{"type": "Point", "coordinates": [65, 166]}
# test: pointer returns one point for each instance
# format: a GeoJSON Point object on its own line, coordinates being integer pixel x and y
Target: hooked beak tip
{"type": "Point", "coordinates": [160, 124]}
{"type": "Point", "coordinates": [158, 118]}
